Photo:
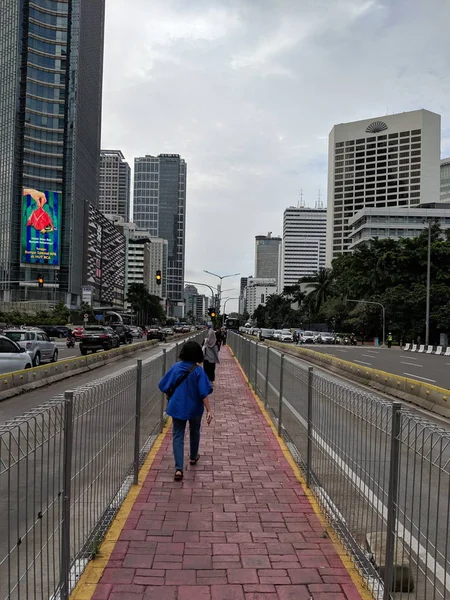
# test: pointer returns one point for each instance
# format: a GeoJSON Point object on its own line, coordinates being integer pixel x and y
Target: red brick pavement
{"type": "Point", "coordinates": [239, 526]}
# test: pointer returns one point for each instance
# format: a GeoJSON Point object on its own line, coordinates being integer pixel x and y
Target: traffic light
{"type": "Point", "coordinates": [40, 280]}
{"type": "Point", "coordinates": [212, 312]}
{"type": "Point", "coordinates": [158, 277]}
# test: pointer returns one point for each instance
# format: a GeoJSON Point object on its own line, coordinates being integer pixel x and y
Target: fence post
{"type": "Point", "coordinates": [310, 424]}
{"type": "Point", "coordinates": [280, 400]}
{"type": "Point", "coordinates": [163, 396]}
{"type": "Point", "coordinates": [392, 499]}
{"type": "Point", "coordinates": [256, 368]}
{"type": "Point", "coordinates": [266, 387]}
{"type": "Point", "coordinates": [137, 422]}
{"type": "Point", "coordinates": [67, 480]}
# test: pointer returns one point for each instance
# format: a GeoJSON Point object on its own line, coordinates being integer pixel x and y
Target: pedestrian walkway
{"type": "Point", "coordinates": [238, 527]}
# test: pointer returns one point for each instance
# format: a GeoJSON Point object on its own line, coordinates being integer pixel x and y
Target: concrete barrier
{"type": "Point", "coordinates": [424, 395]}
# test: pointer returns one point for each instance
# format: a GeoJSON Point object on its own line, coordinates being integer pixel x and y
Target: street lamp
{"type": "Point", "coordinates": [221, 277]}
{"type": "Point", "coordinates": [384, 314]}
{"type": "Point", "coordinates": [427, 309]}
{"type": "Point", "coordinates": [225, 306]}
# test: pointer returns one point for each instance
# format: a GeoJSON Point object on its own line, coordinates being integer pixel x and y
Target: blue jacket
{"type": "Point", "coordinates": [187, 400]}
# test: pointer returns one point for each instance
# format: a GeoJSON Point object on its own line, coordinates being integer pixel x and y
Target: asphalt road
{"type": "Point", "coordinates": [422, 367]}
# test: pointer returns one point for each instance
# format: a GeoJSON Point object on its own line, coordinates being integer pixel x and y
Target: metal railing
{"type": "Point", "coordinates": [380, 471]}
{"type": "Point", "coordinates": [65, 468]}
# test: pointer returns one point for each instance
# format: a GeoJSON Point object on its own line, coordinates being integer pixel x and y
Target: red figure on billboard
{"type": "Point", "coordinates": [39, 218]}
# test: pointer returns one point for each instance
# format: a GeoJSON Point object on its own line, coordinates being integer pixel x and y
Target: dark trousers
{"type": "Point", "coordinates": [210, 370]}
{"type": "Point", "coordinates": [179, 429]}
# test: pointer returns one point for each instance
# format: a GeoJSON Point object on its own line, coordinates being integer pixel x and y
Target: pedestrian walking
{"type": "Point", "coordinates": [211, 356]}
{"type": "Point", "coordinates": [219, 339]}
{"type": "Point", "coordinates": [187, 387]}
{"type": "Point", "coordinates": [224, 336]}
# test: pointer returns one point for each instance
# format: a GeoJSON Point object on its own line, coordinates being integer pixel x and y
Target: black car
{"type": "Point", "coordinates": [96, 337]}
{"type": "Point", "coordinates": [55, 331]}
{"type": "Point", "coordinates": [124, 333]}
{"type": "Point", "coordinates": [156, 334]}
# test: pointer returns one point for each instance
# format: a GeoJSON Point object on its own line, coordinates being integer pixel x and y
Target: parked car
{"type": "Point", "coordinates": [12, 356]}
{"type": "Point", "coordinates": [97, 337]}
{"type": "Point", "coordinates": [326, 338]}
{"type": "Point", "coordinates": [36, 343]}
{"type": "Point", "coordinates": [286, 336]}
{"type": "Point", "coordinates": [156, 334]}
{"type": "Point", "coordinates": [123, 331]}
{"type": "Point", "coordinates": [55, 331]}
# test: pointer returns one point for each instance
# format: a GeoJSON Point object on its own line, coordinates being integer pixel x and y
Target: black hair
{"type": "Point", "coordinates": [191, 352]}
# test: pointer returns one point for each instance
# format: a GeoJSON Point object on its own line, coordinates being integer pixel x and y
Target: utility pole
{"type": "Point", "coordinates": [427, 313]}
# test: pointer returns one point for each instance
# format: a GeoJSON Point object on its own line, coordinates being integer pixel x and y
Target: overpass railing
{"type": "Point", "coordinates": [380, 471]}
{"type": "Point", "coordinates": [65, 468]}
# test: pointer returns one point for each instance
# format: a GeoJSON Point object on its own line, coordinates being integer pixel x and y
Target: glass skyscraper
{"type": "Point", "coordinates": [51, 66]}
{"type": "Point", "coordinates": [160, 208]}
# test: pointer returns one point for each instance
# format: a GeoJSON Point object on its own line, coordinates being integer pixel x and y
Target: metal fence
{"type": "Point", "coordinates": [65, 468]}
{"type": "Point", "coordinates": [379, 470]}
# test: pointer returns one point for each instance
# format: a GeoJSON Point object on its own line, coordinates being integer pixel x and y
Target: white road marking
{"type": "Point", "coordinates": [370, 355]}
{"type": "Point", "coordinates": [412, 364]}
{"type": "Point", "coordinates": [417, 377]}
{"type": "Point", "coordinates": [361, 362]}
{"type": "Point", "coordinates": [408, 356]}
{"type": "Point", "coordinates": [402, 532]}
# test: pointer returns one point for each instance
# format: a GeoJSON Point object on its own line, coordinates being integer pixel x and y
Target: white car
{"type": "Point", "coordinates": [36, 343]}
{"type": "Point", "coordinates": [277, 334]}
{"type": "Point", "coordinates": [286, 336]}
{"type": "Point", "coordinates": [12, 356]}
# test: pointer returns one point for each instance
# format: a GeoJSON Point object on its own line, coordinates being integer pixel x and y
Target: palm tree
{"type": "Point", "coordinates": [320, 283]}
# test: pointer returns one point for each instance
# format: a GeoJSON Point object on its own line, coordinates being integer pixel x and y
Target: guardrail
{"type": "Point", "coordinates": [380, 472]}
{"type": "Point", "coordinates": [65, 468]}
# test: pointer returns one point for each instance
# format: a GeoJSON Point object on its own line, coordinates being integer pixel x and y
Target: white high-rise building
{"type": "Point", "coordinates": [115, 185]}
{"type": "Point", "coordinates": [379, 163]}
{"type": "Point", "coordinates": [304, 240]}
{"type": "Point", "coordinates": [258, 290]}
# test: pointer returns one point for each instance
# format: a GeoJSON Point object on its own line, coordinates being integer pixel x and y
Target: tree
{"type": "Point", "coordinates": [321, 289]}
{"type": "Point", "coordinates": [146, 306]}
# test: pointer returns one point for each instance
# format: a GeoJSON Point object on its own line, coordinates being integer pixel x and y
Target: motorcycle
{"type": "Point", "coordinates": [70, 342]}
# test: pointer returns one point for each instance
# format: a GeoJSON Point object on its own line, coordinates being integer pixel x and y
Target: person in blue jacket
{"type": "Point", "coordinates": [188, 387]}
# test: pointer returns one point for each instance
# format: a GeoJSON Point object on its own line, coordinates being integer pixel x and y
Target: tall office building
{"type": "Point", "coordinates": [243, 295]}
{"type": "Point", "coordinates": [378, 163]}
{"type": "Point", "coordinates": [115, 182]}
{"type": "Point", "coordinates": [51, 64]}
{"type": "Point", "coordinates": [267, 256]}
{"type": "Point", "coordinates": [160, 208]}
{"type": "Point", "coordinates": [445, 180]}
{"type": "Point", "coordinates": [304, 241]}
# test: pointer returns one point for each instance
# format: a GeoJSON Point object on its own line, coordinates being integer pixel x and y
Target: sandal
{"type": "Point", "coordinates": [194, 461]}
{"type": "Point", "coordinates": [178, 475]}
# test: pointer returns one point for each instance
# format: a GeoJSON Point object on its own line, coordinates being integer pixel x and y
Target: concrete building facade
{"type": "Point", "coordinates": [257, 292]}
{"type": "Point", "coordinates": [115, 185]}
{"type": "Point", "coordinates": [304, 243]}
{"type": "Point", "coordinates": [51, 67]}
{"type": "Point", "coordinates": [267, 256]}
{"type": "Point", "coordinates": [382, 162]}
{"type": "Point", "coordinates": [395, 223]}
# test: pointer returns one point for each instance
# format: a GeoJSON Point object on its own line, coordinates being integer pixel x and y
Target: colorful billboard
{"type": "Point", "coordinates": [41, 227]}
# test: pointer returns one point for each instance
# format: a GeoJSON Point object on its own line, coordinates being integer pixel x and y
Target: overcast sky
{"type": "Point", "coordinates": [247, 92]}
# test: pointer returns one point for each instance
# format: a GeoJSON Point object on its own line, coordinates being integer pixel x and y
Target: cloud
{"type": "Point", "coordinates": [248, 91]}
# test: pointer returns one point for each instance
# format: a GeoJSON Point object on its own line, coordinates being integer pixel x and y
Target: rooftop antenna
{"type": "Point", "coordinates": [319, 203]}
{"type": "Point", "coordinates": [301, 202]}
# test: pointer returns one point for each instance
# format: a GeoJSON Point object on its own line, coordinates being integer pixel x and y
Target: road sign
{"type": "Point", "coordinates": [99, 317]}
{"type": "Point", "coordinates": [86, 316]}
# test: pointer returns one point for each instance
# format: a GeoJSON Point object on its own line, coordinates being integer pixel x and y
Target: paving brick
{"type": "Point", "coordinates": [239, 526]}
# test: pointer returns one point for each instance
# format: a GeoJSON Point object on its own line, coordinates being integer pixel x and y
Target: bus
{"type": "Point", "coordinates": [232, 324]}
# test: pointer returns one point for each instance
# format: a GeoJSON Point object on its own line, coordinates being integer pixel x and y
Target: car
{"type": "Point", "coordinates": [123, 331]}
{"type": "Point", "coordinates": [326, 338]}
{"type": "Point", "coordinates": [266, 334]}
{"type": "Point", "coordinates": [185, 329]}
{"type": "Point", "coordinates": [286, 336]}
{"type": "Point", "coordinates": [156, 334]}
{"type": "Point", "coordinates": [98, 337]}
{"type": "Point", "coordinates": [136, 332]}
{"type": "Point", "coordinates": [277, 334]}
{"type": "Point", "coordinates": [78, 332]}
{"type": "Point", "coordinates": [12, 356]}
{"type": "Point", "coordinates": [55, 331]}
{"type": "Point", "coordinates": [36, 343]}
{"type": "Point", "coordinates": [306, 337]}
{"type": "Point", "coordinates": [168, 331]}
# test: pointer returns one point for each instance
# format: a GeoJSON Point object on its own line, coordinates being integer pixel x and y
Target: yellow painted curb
{"type": "Point", "coordinates": [86, 586]}
{"type": "Point", "coordinates": [339, 547]}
